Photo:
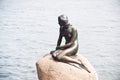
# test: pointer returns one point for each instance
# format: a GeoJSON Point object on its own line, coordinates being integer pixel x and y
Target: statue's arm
{"type": "Point", "coordinates": [59, 41]}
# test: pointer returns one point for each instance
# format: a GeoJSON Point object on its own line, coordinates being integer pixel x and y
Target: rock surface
{"type": "Point", "coordinates": [49, 69]}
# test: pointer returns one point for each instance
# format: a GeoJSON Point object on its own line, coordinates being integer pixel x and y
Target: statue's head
{"type": "Point", "coordinates": [62, 20]}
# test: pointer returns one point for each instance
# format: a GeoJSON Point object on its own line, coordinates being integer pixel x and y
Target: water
{"type": "Point", "coordinates": [29, 29]}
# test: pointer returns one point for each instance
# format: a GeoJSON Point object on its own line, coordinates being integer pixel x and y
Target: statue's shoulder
{"type": "Point", "coordinates": [74, 28]}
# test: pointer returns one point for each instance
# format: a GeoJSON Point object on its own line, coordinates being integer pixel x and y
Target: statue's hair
{"type": "Point", "coordinates": [63, 18]}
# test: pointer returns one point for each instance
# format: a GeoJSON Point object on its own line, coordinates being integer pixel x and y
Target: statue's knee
{"type": "Point", "coordinates": [58, 57]}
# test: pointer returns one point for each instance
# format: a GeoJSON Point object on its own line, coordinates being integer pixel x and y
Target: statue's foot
{"type": "Point", "coordinates": [51, 52]}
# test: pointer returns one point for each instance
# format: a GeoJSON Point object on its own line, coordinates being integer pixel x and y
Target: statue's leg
{"type": "Point", "coordinates": [65, 55]}
{"type": "Point", "coordinates": [55, 53]}
{"type": "Point", "coordinates": [67, 59]}
{"type": "Point", "coordinates": [62, 57]}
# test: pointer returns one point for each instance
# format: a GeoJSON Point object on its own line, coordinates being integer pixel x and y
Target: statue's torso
{"type": "Point", "coordinates": [67, 33]}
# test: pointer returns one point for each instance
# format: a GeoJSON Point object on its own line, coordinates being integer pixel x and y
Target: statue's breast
{"type": "Point", "coordinates": [67, 33]}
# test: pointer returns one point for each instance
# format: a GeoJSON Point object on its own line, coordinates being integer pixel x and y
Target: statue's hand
{"type": "Point", "coordinates": [58, 47]}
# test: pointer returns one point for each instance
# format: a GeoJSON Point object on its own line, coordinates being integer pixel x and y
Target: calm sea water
{"type": "Point", "coordinates": [29, 29]}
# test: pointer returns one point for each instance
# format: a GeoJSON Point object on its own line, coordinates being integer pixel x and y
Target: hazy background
{"type": "Point", "coordinates": [29, 29]}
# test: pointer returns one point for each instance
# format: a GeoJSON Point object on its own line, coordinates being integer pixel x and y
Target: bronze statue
{"type": "Point", "coordinates": [64, 52]}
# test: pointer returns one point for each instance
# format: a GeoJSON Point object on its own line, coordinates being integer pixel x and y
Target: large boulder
{"type": "Point", "coordinates": [49, 69]}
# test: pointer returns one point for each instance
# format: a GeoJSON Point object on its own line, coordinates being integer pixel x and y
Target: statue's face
{"type": "Point", "coordinates": [63, 20]}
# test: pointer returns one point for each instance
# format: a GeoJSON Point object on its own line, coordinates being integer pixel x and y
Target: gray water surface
{"type": "Point", "coordinates": [29, 29]}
